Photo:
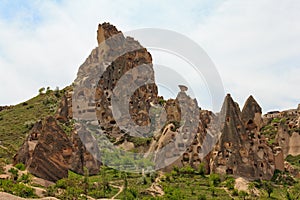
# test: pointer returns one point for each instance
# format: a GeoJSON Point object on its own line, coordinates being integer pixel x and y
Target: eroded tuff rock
{"type": "Point", "coordinates": [181, 141]}
{"type": "Point", "coordinates": [287, 128]}
{"type": "Point", "coordinates": [119, 68]}
{"type": "Point", "coordinates": [241, 150]}
{"type": "Point", "coordinates": [48, 152]}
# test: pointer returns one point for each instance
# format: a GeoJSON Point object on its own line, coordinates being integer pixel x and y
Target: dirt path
{"type": "Point", "coordinates": [120, 190]}
{"type": "Point", "coordinates": [155, 189]}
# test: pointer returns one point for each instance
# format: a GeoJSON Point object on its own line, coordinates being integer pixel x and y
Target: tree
{"type": "Point", "coordinates": [41, 90]}
{"type": "Point", "coordinates": [214, 179]}
{"type": "Point", "coordinates": [105, 183]}
{"type": "Point", "coordinates": [251, 188]}
{"type": "Point", "coordinates": [243, 194]}
{"type": "Point", "coordinates": [57, 92]}
{"type": "Point", "coordinates": [230, 183]}
{"type": "Point", "coordinates": [267, 185]}
{"type": "Point", "coordinates": [201, 169]}
{"type": "Point", "coordinates": [125, 185]}
{"type": "Point", "coordinates": [48, 90]}
{"type": "Point", "coordinates": [86, 182]}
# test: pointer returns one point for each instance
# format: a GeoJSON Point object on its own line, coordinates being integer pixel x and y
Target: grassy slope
{"type": "Point", "coordinates": [16, 122]}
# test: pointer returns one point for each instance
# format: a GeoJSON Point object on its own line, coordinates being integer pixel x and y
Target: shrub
{"type": "Point", "coordinates": [267, 185]}
{"type": "Point", "coordinates": [235, 192]}
{"type": "Point", "coordinates": [187, 170]}
{"type": "Point", "coordinates": [214, 179]}
{"type": "Point", "coordinates": [230, 183]}
{"type": "Point", "coordinates": [25, 178]}
{"type": "Point", "coordinates": [20, 189]}
{"type": "Point", "coordinates": [243, 194]}
{"type": "Point", "coordinates": [201, 169]}
{"type": "Point", "coordinates": [20, 166]}
{"type": "Point", "coordinates": [14, 173]}
{"type": "Point", "coordinates": [41, 90]}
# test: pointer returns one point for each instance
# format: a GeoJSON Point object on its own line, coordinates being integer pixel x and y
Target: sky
{"type": "Point", "coordinates": [255, 45]}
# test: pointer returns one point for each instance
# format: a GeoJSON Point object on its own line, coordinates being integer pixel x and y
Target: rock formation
{"type": "Point", "coordinates": [241, 151]}
{"type": "Point", "coordinates": [118, 67]}
{"type": "Point", "coordinates": [115, 95]}
{"type": "Point", "coordinates": [48, 152]}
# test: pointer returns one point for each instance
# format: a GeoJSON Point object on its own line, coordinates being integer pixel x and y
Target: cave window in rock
{"type": "Point", "coordinates": [229, 171]}
{"type": "Point", "coordinates": [262, 164]}
{"type": "Point", "coordinates": [250, 122]}
{"type": "Point", "coordinates": [227, 119]}
{"type": "Point", "coordinates": [199, 149]}
{"type": "Point", "coordinates": [186, 157]}
{"type": "Point", "coordinates": [112, 122]}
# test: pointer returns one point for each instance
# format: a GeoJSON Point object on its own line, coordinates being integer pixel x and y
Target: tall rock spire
{"type": "Point", "coordinates": [251, 114]}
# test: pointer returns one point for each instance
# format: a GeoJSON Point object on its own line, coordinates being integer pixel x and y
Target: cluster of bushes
{"type": "Point", "coordinates": [16, 185]}
{"type": "Point", "coordinates": [18, 189]}
{"type": "Point", "coordinates": [294, 160]}
{"type": "Point", "coordinates": [79, 187]}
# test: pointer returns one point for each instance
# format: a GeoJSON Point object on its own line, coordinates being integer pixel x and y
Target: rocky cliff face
{"type": "Point", "coordinates": [118, 68]}
{"type": "Point", "coordinates": [49, 153]}
{"type": "Point", "coordinates": [241, 150]}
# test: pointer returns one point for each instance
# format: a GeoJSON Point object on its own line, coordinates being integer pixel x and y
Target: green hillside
{"type": "Point", "coordinates": [16, 121]}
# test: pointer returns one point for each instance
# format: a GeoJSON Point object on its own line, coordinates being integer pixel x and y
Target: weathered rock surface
{"type": "Point", "coordinates": [241, 151]}
{"type": "Point", "coordinates": [99, 82]}
{"type": "Point", "coordinates": [49, 153]}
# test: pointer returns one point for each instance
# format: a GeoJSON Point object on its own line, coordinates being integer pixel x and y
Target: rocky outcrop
{"type": "Point", "coordinates": [49, 153]}
{"type": "Point", "coordinates": [241, 150]}
{"type": "Point", "coordinates": [119, 68]}
{"type": "Point", "coordinates": [180, 143]}
{"type": "Point", "coordinates": [251, 114]}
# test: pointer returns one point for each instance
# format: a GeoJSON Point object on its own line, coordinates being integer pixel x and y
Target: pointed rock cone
{"type": "Point", "coordinates": [251, 114]}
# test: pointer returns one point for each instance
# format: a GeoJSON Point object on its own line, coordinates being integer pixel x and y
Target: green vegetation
{"type": "Point", "coordinates": [162, 102]}
{"type": "Point", "coordinates": [17, 185]}
{"type": "Point", "coordinates": [294, 160]}
{"type": "Point", "coordinates": [18, 189]}
{"type": "Point", "coordinates": [283, 178]}
{"type": "Point", "coordinates": [20, 166]}
{"type": "Point", "coordinates": [104, 185]}
{"type": "Point", "coordinates": [269, 131]}
{"type": "Point", "coordinates": [18, 120]}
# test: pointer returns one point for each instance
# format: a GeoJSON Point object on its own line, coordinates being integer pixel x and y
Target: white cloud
{"type": "Point", "coordinates": [255, 44]}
